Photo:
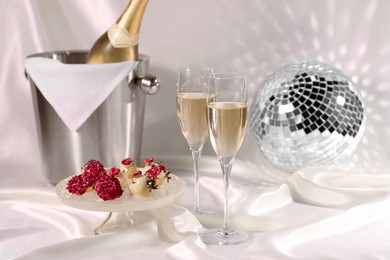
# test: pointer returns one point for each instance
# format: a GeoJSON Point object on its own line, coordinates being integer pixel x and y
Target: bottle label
{"type": "Point", "coordinates": [121, 38]}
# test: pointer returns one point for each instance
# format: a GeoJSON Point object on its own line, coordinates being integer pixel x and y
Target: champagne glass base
{"type": "Point", "coordinates": [224, 237]}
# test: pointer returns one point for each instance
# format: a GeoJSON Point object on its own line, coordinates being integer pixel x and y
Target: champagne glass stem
{"type": "Point", "coordinates": [226, 169]}
{"type": "Point", "coordinates": [196, 158]}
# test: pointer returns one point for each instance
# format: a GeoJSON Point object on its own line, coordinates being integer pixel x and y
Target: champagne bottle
{"type": "Point", "coordinates": [120, 42]}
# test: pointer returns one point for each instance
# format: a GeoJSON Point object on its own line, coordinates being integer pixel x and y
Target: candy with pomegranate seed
{"type": "Point", "coordinates": [92, 171]}
{"type": "Point", "coordinates": [157, 172]}
{"type": "Point", "coordinates": [138, 186]}
{"type": "Point", "coordinates": [110, 184]}
{"type": "Point", "coordinates": [76, 185]}
{"type": "Point", "coordinates": [108, 188]}
{"type": "Point", "coordinates": [162, 179]}
{"type": "Point", "coordinates": [120, 175]}
{"type": "Point", "coordinates": [94, 168]}
{"type": "Point", "coordinates": [128, 167]}
{"type": "Point", "coordinates": [148, 161]}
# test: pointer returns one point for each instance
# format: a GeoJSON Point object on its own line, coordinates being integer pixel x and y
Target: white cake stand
{"type": "Point", "coordinates": [121, 211]}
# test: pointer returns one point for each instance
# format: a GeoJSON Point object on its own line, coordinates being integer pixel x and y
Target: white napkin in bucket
{"type": "Point", "coordinates": [75, 91]}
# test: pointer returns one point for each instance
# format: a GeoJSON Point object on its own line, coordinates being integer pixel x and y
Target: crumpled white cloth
{"type": "Point", "coordinates": [35, 219]}
{"type": "Point", "coordinates": [75, 91]}
{"type": "Point", "coordinates": [319, 213]}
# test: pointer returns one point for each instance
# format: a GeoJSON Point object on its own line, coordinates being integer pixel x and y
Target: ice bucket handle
{"type": "Point", "coordinates": [149, 84]}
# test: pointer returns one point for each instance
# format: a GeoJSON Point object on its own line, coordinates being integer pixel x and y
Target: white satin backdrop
{"type": "Point", "coordinates": [339, 213]}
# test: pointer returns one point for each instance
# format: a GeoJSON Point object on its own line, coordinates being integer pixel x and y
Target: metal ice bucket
{"type": "Point", "coordinates": [112, 133]}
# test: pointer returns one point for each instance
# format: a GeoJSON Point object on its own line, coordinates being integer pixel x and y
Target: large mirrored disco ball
{"type": "Point", "coordinates": [307, 114]}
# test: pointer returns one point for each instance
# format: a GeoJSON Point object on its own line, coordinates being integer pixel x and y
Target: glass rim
{"type": "Point", "coordinates": [226, 75]}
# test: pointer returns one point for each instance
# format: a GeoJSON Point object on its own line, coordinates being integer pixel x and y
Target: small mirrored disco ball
{"type": "Point", "coordinates": [307, 114]}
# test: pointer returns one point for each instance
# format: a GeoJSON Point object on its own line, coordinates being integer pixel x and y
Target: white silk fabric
{"type": "Point", "coordinates": [321, 213]}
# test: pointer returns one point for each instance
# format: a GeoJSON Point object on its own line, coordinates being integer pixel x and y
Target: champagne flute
{"type": "Point", "coordinates": [191, 99]}
{"type": "Point", "coordinates": [226, 115]}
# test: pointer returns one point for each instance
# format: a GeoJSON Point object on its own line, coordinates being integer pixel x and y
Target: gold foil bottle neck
{"type": "Point", "coordinates": [131, 18]}
{"type": "Point", "coordinates": [121, 38]}
{"type": "Point", "coordinates": [120, 42]}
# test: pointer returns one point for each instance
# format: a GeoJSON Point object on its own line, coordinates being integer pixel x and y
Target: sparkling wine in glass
{"type": "Point", "coordinates": [191, 98]}
{"type": "Point", "coordinates": [227, 117]}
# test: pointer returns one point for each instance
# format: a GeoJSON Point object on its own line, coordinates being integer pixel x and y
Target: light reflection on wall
{"type": "Point", "coordinates": [346, 36]}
